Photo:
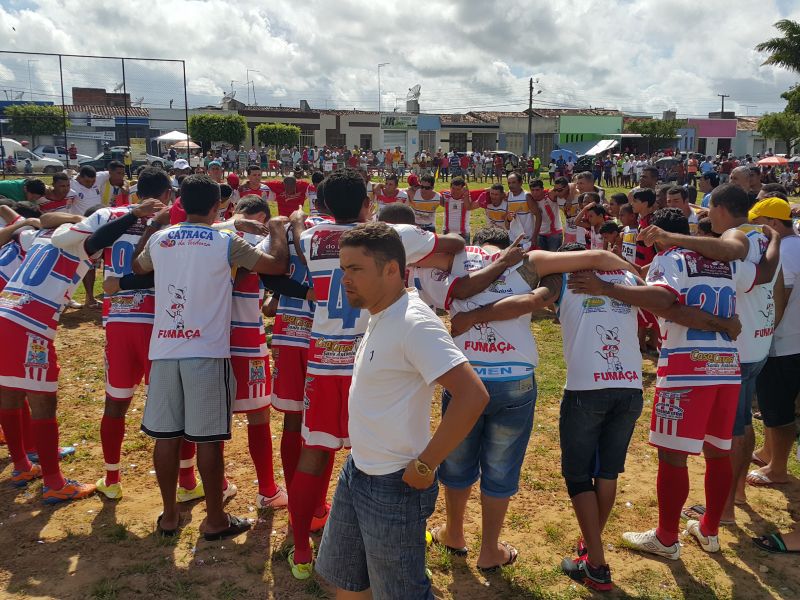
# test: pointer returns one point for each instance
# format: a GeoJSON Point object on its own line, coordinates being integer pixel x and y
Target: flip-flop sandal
{"type": "Point", "coordinates": [758, 479]}
{"type": "Point", "coordinates": [513, 554]}
{"type": "Point", "coordinates": [235, 527]}
{"type": "Point", "coordinates": [463, 551]}
{"type": "Point", "coordinates": [773, 543]}
{"type": "Point", "coordinates": [757, 461]}
{"type": "Point", "coordinates": [165, 532]}
{"type": "Point", "coordinates": [698, 509]}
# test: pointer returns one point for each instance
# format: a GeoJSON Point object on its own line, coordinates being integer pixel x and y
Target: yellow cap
{"type": "Point", "coordinates": [771, 208]}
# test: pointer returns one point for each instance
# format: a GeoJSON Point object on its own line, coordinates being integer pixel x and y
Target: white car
{"type": "Point", "coordinates": [57, 152]}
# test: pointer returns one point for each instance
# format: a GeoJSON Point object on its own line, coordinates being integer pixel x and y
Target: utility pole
{"type": "Point", "coordinates": [723, 96]}
{"type": "Point", "coordinates": [530, 114]}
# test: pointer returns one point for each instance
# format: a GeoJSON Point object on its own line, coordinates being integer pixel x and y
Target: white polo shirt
{"type": "Point", "coordinates": [405, 349]}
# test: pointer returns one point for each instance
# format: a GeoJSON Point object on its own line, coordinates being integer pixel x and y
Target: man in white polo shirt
{"type": "Point", "coordinates": [375, 535]}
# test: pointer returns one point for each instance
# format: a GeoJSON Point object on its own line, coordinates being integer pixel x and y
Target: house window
{"type": "Point", "coordinates": [365, 141]}
{"type": "Point", "coordinates": [458, 142]}
{"type": "Point", "coordinates": [335, 139]}
{"type": "Point", "coordinates": [307, 138]}
{"type": "Point", "coordinates": [427, 141]}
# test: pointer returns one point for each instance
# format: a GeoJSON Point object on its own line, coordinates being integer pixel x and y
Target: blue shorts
{"type": "Point", "coordinates": [595, 428]}
{"type": "Point", "coordinates": [744, 411]}
{"type": "Point", "coordinates": [550, 242]}
{"type": "Point", "coordinates": [495, 448]}
{"type": "Point", "coordinates": [375, 535]}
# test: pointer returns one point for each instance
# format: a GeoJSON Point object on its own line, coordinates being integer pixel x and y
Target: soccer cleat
{"type": "Point", "coordinates": [596, 578]}
{"type": "Point", "coordinates": [197, 492]}
{"type": "Point", "coordinates": [647, 541]}
{"type": "Point", "coordinates": [72, 490]}
{"type": "Point", "coordinates": [112, 492]}
{"type": "Point", "coordinates": [709, 543]}
{"type": "Point", "coordinates": [302, 570]}
{"type": "Point", "coordinates": [229, 492]}
{"type": "Point", "coordinates": [22, 478]}
{"type": "Point", "coordinates": [278, 500]}
{"type": "Point", "coordinates": [318, 523]}
{"type": "Point", "coordinates": [63, 452]}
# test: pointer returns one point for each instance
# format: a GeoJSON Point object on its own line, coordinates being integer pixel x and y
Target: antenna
{"type": "Point", "coordinates": [19, 95]}
{"type": "Point", "coordinates": [139, 101]}
{"type": "Point", "coordinates": [414, 92]}
{"type": "Point", "coordinates": [119, 87]}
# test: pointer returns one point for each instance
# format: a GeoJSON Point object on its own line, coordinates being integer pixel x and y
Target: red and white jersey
{"type": "Point", "coordinates": [629, 244]}
{"type": "Point", "coordinates": [247, 326]}
{"type": "Point", "coordinates": [37, 292]}
{"type": "Point", "coordinates": [13, 253]}
{"type": "Point", "coordinates": [262, 192]}
{"type": "Point", "coordinates": [456, 214]}
{"type": "Point", "coordinates": [522, 223]}
{"type": "Point", "coordinates": [338, 328]}
{"type": "Point", "coordinates": [601, 347]}
{"type": "Point", "coordinates": [293, 317]}
{"type": "Point", "coordinates": [551, 216]}
{"type": "Point", "coordinates": [756, 309]}
{"type": "Point", "coordinates": [382, 200]}
{"type": "Point", "coordinates": [193, 292]}
{"type": "Point", "coordinates": [311, 196]}
{"type": "Point", "coordinates": [690, 357]}
{"type": "Point", "coordinates": [498, 350]}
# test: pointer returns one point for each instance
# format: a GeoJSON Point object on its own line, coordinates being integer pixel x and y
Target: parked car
{"type": "Point", "coordinates": [100, 162]}
{"type": "Point", "coordinates": [507, 156]}
{"type": "Point", "coordinates": [57, 152]}
{"type": "Point", "coordinates": [38, 163]}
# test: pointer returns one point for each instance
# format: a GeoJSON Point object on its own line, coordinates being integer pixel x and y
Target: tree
{"type": "Point", "coordinates": [783, 126]}
{"type": "Point", "coordinates": [783, 51]}
{"type": "Point", "coordinates": [205, 129]}
{"type": "Point", "coordinates": [278, 134]}
{"type": "Point", "coordinates": [658, 132]}
{"type": "Point", "coordinates": [35, 119]}
{"type": "Point", "coordinates": [792, 98]}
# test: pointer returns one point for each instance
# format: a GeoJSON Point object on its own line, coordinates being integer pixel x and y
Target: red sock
{"type": "Point", "coordinates": [719, 475]}
{"type": "Point", "coordinates": [259, 441]}
{"type": "Point", "coordinates": [322, 502]}
{"type": "Point", "coordinates": [45, 432]}
{"type": "Point", "coordinates": [112, 431]}
{"type": "Point", "coordinates": [27, 431]}
{"type": "Point", "coordinates": [186, 476]}
{"type": "Point", "coordinates": [303, 498]}
{"type": "Point", "coordinates": [291, 443]}
{"type": "Point", "coordinates": [11, 420]}
{"type": "Point", "coordinates": [673, 489]}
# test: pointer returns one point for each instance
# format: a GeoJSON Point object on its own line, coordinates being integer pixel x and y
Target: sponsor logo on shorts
{"type": "Point", "coordinates": [257, 372]}
{"type": "Point", "coordinates": [671, 412]}
{"type": "Point", "coordinates": [36, 354]}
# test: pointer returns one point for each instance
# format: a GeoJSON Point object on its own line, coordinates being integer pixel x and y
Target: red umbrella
{"type": "Point", "coordinates": [773, 160]}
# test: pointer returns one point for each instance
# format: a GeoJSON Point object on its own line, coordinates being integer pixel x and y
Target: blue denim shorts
{"type": "Point", "coordinates": [375, 535]}
{"type": "Point", "coordinates": [495, 448]}
{"type": "Point", "coordinates": [595, 428]}
{"type": "Point", "coordinates": [744, 411]}
{"type": "Point", "coordinates": [550, 242]}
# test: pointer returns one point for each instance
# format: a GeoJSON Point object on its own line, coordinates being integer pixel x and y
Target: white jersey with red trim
{"type": "Point", "coordinates": [293, 317]}
{"type": "Point", "coordinates": [338, 328]}
{"type": "Point", "coordinates": [690, 357]}
{"type": "Point", "coordinates": [756, 309]}
{"type": "Point", "coordinates": [193, 292]}
{"type": "Point", "coordinates": [13, 253]}
{"type": "Point", "coordinates": [498, 350]}
{"type": "Point", "coordinates": [40, 288]}
{"type": "Point", "coordinates": [551, 216]}
{"type": "Point", "coordinates": [456, 215]}
{"type": "Point", "coordinates": [601, 348]}
{"type": "Point", "coordinates": [382, 200]}
{"type": "Point", "coordinates": [248, 337]}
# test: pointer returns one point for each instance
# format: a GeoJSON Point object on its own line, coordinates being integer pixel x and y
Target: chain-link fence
{"type": "Point", "coordinates": [60, 111]}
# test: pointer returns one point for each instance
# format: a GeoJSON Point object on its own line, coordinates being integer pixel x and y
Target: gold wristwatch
{"type": "Point", "coordinates": [423, 470]}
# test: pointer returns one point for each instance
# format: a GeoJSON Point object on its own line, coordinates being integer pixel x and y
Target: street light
{"type": "Point", "coordinates": [30, 84]}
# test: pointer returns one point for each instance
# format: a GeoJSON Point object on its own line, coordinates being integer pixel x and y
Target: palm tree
{"type": "Point", "coordinates": [784, 51]}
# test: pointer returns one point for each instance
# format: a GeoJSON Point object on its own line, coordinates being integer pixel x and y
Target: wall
{"type": "Point", "coordinates": [714, 128]}
{"type": "Point", "coordinates": [596, 126]}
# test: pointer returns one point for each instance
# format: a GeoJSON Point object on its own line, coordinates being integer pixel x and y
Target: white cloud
{"type": "Point", "coordinates": [637, 55]}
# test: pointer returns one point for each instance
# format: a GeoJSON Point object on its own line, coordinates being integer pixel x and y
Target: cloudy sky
{"type": "Point", "coordinates": [642, 56]}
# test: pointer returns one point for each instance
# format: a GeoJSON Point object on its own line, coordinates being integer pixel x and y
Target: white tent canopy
{"type": "Point", "coordinates": [600, 147]}
{"type": "Point", "coordinates": [173, 136]}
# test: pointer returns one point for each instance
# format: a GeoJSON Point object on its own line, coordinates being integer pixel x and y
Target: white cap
{"type": "Point", "coordinates": [181, 164]}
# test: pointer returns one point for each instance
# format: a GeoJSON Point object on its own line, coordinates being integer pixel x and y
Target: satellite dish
{"type": "Point", "coordinates": [139, 101]}
{"type": "Point", "coordinates": [119, 87]}
{"type": "Point", "coordinates": [413, 93]}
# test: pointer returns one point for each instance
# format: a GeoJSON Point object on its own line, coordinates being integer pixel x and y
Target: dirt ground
{"type": "Point", "coordinates": [101, 549]}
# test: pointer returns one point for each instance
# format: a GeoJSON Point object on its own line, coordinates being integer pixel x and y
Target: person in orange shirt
{"type": "Point", "coordinates": [691, 170]}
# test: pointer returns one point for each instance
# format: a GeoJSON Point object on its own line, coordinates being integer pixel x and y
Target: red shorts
{"type": "Point", "coordinates": [683, 419]}
{"type": "Point", "coordinates": [289, 378]}
{"type": "Point", "coordinates": [28, 360]}
{"type": "Point", "coordinates": [252, 383]}
{"type": "Point", "coordinates": [127, 363]}
{"type": "Point", "coordinates": [325, 417]}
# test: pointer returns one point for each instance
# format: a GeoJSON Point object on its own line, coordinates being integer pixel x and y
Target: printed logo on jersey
{"type": "Point", "coordinates": [488, 341]}
{"type": "Point", "coordinates": [716, 363]}
{"type": "Point", "coordinates": [36, 353]}
{"type": "Point", "coordinates": [325, 244]}
{"type": "Point", "coordinates": [439, 275]}
{"type": "Point", "coordinates": [655, 273]}
{"type": "Point", "coordinates": [175, 311]}
{"type": "Point", "coordinates": [593, 304]}
{"type": "Point", "coordinates": [620, 307]}
{"type": "Point", "coordinates": [13, 299]}
{"type": "Point", "coordinates": [698, 265]}
{"type": "Point", "coordinates": [167, 243]}
{"type": "Point", "coordinates": [609, 352]}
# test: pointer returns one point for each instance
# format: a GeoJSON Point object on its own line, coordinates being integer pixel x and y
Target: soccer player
{"type": "Point", "coordinates": [335, 333]}
{"type": "Point", "coordinates": [697, 384]}
{"type": "Point", "coordinates": [388, 192]}
{"type": "Point", "coordinates": [551, 232]}
{"type": "Point", "coordinates": [457, 206]}
{"type": "Point", "coordinates": [253, 185]}
{"type": "Point", "coordinates": [678, 197]}
{"type": "Point", "coordinates": [424, 201]}
{"type": "Point", "coordinates": [30, 309]}
{"type": "Point", "coordinates": [192, 387]}
{"type": "Point", "coordinates": [525, 216]}
{"type": "Point", "coordinates": [495, 203]}
{"type": "Point", "coordinates": [290, 194]}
